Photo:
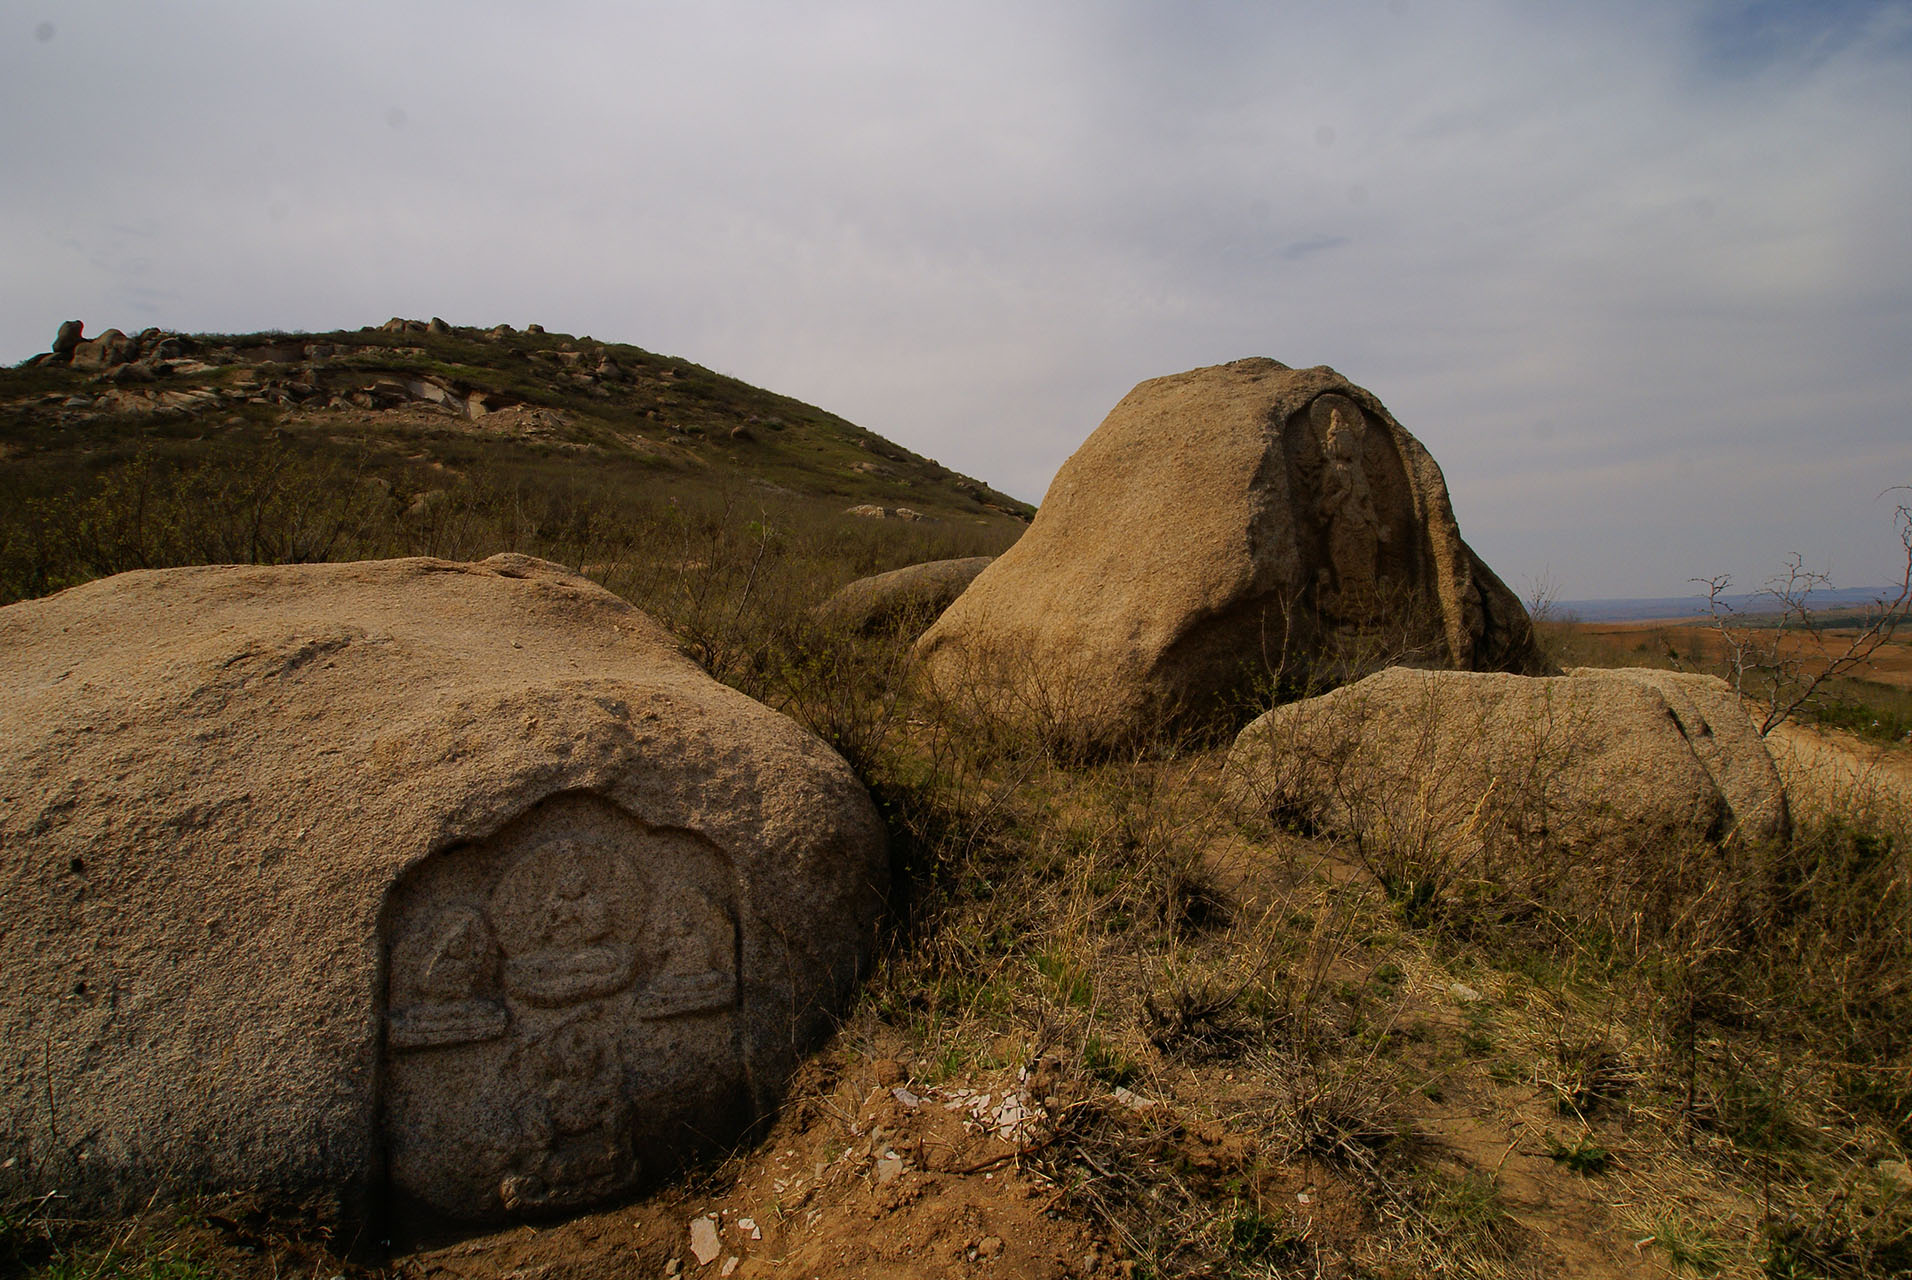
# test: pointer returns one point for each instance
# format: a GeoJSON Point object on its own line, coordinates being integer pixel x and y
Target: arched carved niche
{"type": "Point", "coordinates": [561, 1012]}
{"type": "Point", "coordinates": [1354, 513]}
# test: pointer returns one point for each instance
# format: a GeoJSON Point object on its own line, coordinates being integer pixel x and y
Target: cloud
{"type": "Point", "coordinates": [1672, 235]}
{"type": "Point", "coordinates": [1314, 244]}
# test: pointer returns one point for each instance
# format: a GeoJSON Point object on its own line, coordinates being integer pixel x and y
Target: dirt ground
{"type": "Point", "coordinates": [878, 1176]}
{"type": "Point", "coordinates": [866, 1175]}
{"type": "Point", "coordinates": [882, 1167]}
{"type": "Point", "coordinates": [1827, 770]}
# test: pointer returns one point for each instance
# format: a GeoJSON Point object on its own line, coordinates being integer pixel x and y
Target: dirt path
{"type": "Point", "coordinates": [1826, 771]}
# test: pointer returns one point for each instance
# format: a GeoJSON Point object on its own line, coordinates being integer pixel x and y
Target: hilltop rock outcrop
{"type": "Point", "coordinates": [448, 883]}
{"type": "Point", "coordinates": [104, 352]}
{"type": "Point", "coordinates": [911, 596]}
{"type": "Point", "coordinates": [1222, 527]}
{"type": "Point", "coordinates": [1459, 765]}
{"type": "Point", "coordinates": [871, 511]}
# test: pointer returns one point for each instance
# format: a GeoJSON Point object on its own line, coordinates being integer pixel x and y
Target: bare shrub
{"type": "Point", "coordinates": [1782, 655]}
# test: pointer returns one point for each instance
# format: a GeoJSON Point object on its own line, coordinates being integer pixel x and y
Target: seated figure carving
{"type": "Point", "coordinates": [574, 1141]}
{"type": "Point", "coordinates": [576, 955]}
{"type": "Point", "coordinates": [452, 985]}
{"type": "Point", "coordinates": [696, 958]}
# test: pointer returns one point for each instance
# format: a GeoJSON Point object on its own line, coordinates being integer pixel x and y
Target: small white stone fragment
{"type": "Point", "coordinates": [703, 1239]}
{"type": "Point", "coordinates": [907, 1098]}
{"type": "Point", "coordinates": [730, 1264]}
{"type": "Point", "coordinates": [1011, 1116]}
{"type": "Point", "coordinates": [1465, 994]}
{"type": "Point", "coordinates": [889, 1167]}
{"type": "Point", "coordinates": [750, 1228]}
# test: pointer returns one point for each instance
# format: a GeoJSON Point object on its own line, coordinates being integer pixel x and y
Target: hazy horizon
{"type": "Point", "coordinates": [1638, 277]}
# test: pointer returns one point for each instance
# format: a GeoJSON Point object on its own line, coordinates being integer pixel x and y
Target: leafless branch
{"type": "Point", "coordinates": [1785, 663]}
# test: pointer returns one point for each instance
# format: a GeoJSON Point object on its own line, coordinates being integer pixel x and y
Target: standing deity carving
{"type": "Point", "coordinates": [1345, 504]}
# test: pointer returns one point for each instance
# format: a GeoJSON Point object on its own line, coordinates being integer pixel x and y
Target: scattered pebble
{"type": "Point", "coordinates": [1465, 994]}
{"type": "Point", "coordinates": [1011, 1116]}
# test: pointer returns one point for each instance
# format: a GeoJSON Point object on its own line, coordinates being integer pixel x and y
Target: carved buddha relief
{"type": "Point", "coordinates": [564, 913]}
{"type": "Point", "coordinates": [1346, 507]}
{"type": "Point", "coordinates": [572, 1122]}
{"type": "Point", "coordinates": [446, 983]}
{"type": "Point", "coordinates": [561, 1009]}
{"type": "Point", "coordinates": [1360, 521]}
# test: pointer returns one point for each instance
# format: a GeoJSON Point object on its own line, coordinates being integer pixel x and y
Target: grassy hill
{"type": "Point", "coordinates": [409, 439]}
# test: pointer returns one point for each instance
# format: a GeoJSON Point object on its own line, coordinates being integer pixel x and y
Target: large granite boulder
{"type": "Point", "coordinates": [110, 349]}
{"type": "Point", "coordinates": [449, 886]}
{"type": "Point", "coordinates": [1223, 528]}
{"type": "Point", "coordinates": [1454, 765]}
{"type": "Point", "coordinates": [906, 599]}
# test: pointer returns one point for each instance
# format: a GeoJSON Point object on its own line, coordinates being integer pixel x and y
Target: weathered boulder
{"type": "Point", "coordinates": [106, 351]}
{"type": "Point", "coordinates": [1220, 528]}
{"type": "Point", "coordinates": [448, 886]}
{"type": "Point", "coordinates": [72, 333]}
{"type": "Point", "coordinates": [290, 351]}
{"type": "Point", "coordinates": [906, 598]}
{"type": "Point", "coordinates": [1458, 764]}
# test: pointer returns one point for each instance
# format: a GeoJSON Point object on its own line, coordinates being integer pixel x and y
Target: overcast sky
{"type": "Point", "coordinates": [1638, 274]}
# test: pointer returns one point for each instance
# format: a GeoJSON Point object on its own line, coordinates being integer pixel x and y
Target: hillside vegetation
{"type": "Point", "coordinates": [279, 448]}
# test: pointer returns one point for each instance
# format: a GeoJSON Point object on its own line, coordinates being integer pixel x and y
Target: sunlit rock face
{"type": "Point", "coordinates": [1222, 530]}
{"type": "Point", "coordinates": [445, 886]}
